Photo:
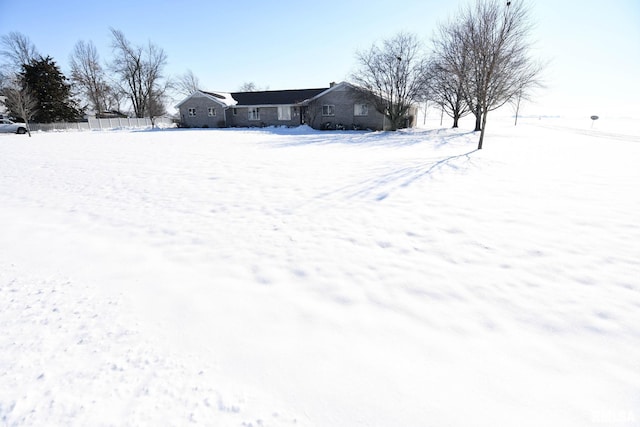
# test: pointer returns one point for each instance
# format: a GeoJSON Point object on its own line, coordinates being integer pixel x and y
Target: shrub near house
{"type": "Point", "coordinates": [335, 107]}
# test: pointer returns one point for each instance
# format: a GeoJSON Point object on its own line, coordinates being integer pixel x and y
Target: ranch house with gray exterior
{"type": "Point", "coordinates": [334, 107]}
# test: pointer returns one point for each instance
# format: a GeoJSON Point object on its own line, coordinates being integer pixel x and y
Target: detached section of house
{"type": "Point", "coordinates": [335, 107]}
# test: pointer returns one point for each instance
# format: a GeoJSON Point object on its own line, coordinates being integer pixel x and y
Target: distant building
{"type": "Point", "coordinates": [334, 107]}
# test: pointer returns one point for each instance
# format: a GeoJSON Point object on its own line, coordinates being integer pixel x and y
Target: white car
{"type": "Point", "coordinates": [7, 126]}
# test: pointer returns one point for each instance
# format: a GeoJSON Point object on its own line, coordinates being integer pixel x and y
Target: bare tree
{"type": "Point", "coordinates": [391, 77]}
{"type": "Point", "coordinates": [187, 83]}
{"type": "Point", "coordinates": [88, 74]}
{"type": "Point", "coordinates": [445, 89]}
{"type": "Point", "coordinates": [516, 105]}
{"type": "Point", "coordinates": [18, 50]}
{"type": "Point", "coordinates": [495, 38]}
{"type": "Point", "coordinates": [115, 99]}
{"type": "Point", "coordinates": [450, 66]}
{"type": "Point", "coordinates": [453, 56]}
{"type": "Point", "coordinates": [21, 101]}
{"type": "Point", "coordinates": [523, 94]}
{"type": "Point", "coordinates": [139, 70]}
{"type": "Point", "coordinates": [251, 87]}
{"type": "Point", "coordinates": [3, 80]}
{"type": "Point", "coordinates": [157, 102]}
{"type": "Point", "coordinates": [248, 87]}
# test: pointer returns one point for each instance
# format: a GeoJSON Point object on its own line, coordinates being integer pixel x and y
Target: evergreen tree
{"type": "Point", "coordinates": [47, 83]}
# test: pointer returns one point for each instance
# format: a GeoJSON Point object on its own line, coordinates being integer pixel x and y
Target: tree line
{"type": "Point", "coordinates": [478, 61]}
{"type": "Point", "coordinates": [37, 90]}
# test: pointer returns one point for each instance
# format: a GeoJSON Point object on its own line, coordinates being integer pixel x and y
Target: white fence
{"type": "Point", "coordinates": [91, 124]}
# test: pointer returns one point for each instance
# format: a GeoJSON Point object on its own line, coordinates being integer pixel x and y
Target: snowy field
{"type": "Point", "coordinates": [289, 277]}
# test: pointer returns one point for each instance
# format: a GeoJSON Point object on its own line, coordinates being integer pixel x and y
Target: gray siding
{"type": "Point", "coordinates": [343, 99]}
{"type": "Point", "coordinates": [268, 117]}
{"type": "Point", "coordinates": [202, 119]}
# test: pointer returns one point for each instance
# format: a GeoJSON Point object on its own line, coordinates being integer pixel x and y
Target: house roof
{"type": "Point", "coordinates": [334, 86]}
{"type": "Point", "coordinates": [267, 97]}
{"type": "Point", "coordinates": [222, 98]}
{"type": "Point", "coordinates": [276, 97]}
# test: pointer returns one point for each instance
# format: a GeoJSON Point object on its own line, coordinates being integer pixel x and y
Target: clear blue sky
{"type": "Point", "coordinates": [593, 46]}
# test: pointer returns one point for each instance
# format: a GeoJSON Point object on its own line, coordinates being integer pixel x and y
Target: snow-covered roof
{"type": "Point", "coordinates": [223, 98]}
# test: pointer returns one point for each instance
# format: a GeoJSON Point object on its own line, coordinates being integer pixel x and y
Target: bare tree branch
{"type": "Point", "coordinates": [139, 70]}
{"type": "Point", "coordinates": [391, 77]}
{"type": "Point", "coordinates": [494, 36]}
{"type": "Point", "coordinates": [252, 87]}
{"type": "Point", "coordinates": [445, 89]}
{"type": "Point", "coordinates": [18, 50]}
{"type": "Point", "coordinates": [248, 87]}
{"type": "Point", "coordinates": [187, 83]}
{"type": "Point", "coordinates": [21, 102]}
{"type": "Point", "coordinates": [88, 74]}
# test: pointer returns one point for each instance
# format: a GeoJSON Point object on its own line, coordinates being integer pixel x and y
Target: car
{"type": "Point", "coordinates": [7, 126]}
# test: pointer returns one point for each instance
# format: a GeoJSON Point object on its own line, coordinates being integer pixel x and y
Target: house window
{"type": "Point", "coordinates": [192, 112]}
{"type": "Point", "coordinates": [211, 111]}
{"type": "Point", "coordinates": [284, 113]}
{"type": "Point", "coordinates": [254, 113]}
{"type": "Point", "coordinates": [328, 110]}
{"type": "Point", "coordinates": [360, 110]}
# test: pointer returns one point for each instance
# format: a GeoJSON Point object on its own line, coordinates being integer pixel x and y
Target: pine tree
{"type": "Point", "coordinates": [49, 85]}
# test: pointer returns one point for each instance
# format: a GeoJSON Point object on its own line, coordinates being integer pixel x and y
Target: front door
{"type": "Point", "coordinates": [303, 114]}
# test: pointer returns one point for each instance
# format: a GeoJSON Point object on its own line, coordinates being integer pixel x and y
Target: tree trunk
{"type": "Point", "coordinates": [484, 125]}
{"type": "Point", "coordinates": [395, 121]}
{"type": "Point", "coordinates": [517, 108]}
{"type": "Point", "coordinates": [424, 122]}
{"type": "Point", "coordinates": [478, 114]}
{"type": "Point", "coordinates": [392, 123]}
{"type": "Point", "coordinates": [455, 121]}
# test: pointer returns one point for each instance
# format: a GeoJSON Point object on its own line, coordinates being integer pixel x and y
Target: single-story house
{"type": "Point", "coordinates": [334, 107]}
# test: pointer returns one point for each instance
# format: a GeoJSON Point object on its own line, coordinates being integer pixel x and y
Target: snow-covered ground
{"type": "Point", "coordinates": [283, 277]}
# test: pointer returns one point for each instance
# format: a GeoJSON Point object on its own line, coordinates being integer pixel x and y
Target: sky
{"type": "Point", "coordinates": [592, 47]}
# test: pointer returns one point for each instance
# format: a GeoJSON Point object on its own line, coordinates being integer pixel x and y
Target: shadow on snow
{"type": "Point", "coordinates": [306, 135]}
{"type": "Point", "coordinates": [400, 138]}
{"type": "Point", "coordinates": [381, 187]}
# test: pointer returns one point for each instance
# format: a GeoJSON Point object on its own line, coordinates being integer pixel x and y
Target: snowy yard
{"type": "Point", "coordinates": [284, 277]}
